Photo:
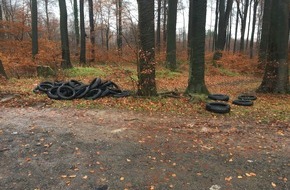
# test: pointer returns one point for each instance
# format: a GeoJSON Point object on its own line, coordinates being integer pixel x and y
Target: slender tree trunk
{"type": "Point", "coordinates": [229, 37]}
{"type": "Point", "coordinates": [164, 21]}
{"type": "Point", "coordinates": [146, 65]}
{"type": "Point", "coordinates": [222, 27]}
{"type": "Point", "coordinates": [76, 23]}
{"type": "Point", "coordinates": [189, 29]}
{"type": "Point", "coordinates": [243, 15]}
{"type": "Point", "coordinates": [65, 64]}
{"type": "Point", "coordinates": [83, 34]}
{"type": "Point", "coordinates": [119, 26]}
{"type": "Point", "coordinates": [256, 3]}
{"type": "Point", "coordinates": [236, 32]}
{"type": "Point", "coordinates": [276, 76]}
{"type": "Point", "coordinates": [215, 37]}
{"type": "Point", "coordinates": [171, 35]}
{"type": "Point", "coordinates": [1, 19]}
{"type": "Point", "coordinates": [34, 28]}
{"type": "Point", "coordinates": [47, 20]}
{"type": "Point", "coordinates": [158, 31]}
{"type": "Point", "coordinates": [249, 24]}
{"type": "Point", "coordinates": [196, 82]}
{"type": "Point", "coordinates": [265, 34]}
{"type": "Point", "coordinates": [92, 30]}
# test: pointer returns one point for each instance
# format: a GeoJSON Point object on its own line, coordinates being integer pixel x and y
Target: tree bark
{"type": "Point", "coordinates": [83, 34]}
{"type": "Point", "coordinates": [34, 27]}
{"type": "Point", "coordinates": [76, 23]}
{"type": "Point", "coordinates": [236, 32]}
{"type": "Point", "coordinates": [256, 3]}
{"type": "Point", "coordinates": [243, 16]}
{"type": "Point", "coordinates": [119, 26]}
{"type": "Point", "coordinates": [171, 35]}
{"type": "Point", "coordinates": [249, 24]}
{"type": "Point", "coordinates": [164, 21]}
{"type": "Point", "coordinates": [2, 70]}
{"type": "Point", "coordinates": [196, 82]}
{"type": "Point", "coordinates": [92, 30]}
{"type": "Point", "coordinates": [265, 33]}
{"type": "Point", "coordinates": [276, 76]}
{"type": "Point", "coordinates": [65, 64]}
{"type": "Point", "coordinates": [158, 31]}
{"type": "Point", "coordinates": [215, 35]}
{"type": "Point", "coordinates": [224, 14]}
{"type": "Point", "coordinates": [146, 65]}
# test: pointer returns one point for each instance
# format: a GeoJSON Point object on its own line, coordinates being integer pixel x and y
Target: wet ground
{"type": "Point", "coordinates": [49, 148]}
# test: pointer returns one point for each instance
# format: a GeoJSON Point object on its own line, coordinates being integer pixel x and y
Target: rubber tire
{"type": "Point", "coordinates": [122, 94]}
{"type": "Point", "coordinates": [221, 97]}
{"type": "Point", "coordinates": [45, 86]}
{"type": "Point", "coordinates": [218, 107]}
{"type": "Point", "coordinates": [95, 83]}
{"type": "Point", "coordinates": [52, 93]}
{"type": "Point", "coordinates": [247, 97]}
{"type": "Point", "coordinates": [82, 91]}
{"type": "Point", "coordinates": [64, 96]}
{"type": "Point", "coordinates": [240, 102]}
{"type": "Point", "coordinates": [93, 94]}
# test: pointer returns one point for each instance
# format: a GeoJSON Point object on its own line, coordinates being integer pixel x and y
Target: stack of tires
{"type": "Point", "coordinates": [219, 106]}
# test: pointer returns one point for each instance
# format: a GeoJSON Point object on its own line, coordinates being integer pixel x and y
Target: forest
{"type": "Point", "coordinates": [145, 94]}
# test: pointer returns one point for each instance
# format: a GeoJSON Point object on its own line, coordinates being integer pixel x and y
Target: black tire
{"type": "Point", "coordinates": [221, 97]}
{"type": "Point", "coordinates": [93, 94]}
{"type": "Point", "coordinates": [52, 93]}
{"type": "Point", "coordinates": [82, 91]}
{"type": "Point", "coordinates": [122, 94]}
{"type": "Point", "coordinates": [243, 102]}
{"type": "Point", "coordinates": [75, 83]}
{"type": "Point", "coordinates": [45, 86]}
{"type": "Point", "coordinates": [66, 92]}
{"type": "Point", "coordinates": [218, 107]}
{"type": "Point", "coordinates": [247, 97]}
{"type": "Point", "coordinates": [95, 83]}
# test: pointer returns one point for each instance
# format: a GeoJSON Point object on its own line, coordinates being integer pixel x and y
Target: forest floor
{"type": "Point", "coordinates": [144, 143]}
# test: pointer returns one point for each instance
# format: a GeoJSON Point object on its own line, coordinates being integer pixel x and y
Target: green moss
{"type": "Point", "coordinates": [85, 72]}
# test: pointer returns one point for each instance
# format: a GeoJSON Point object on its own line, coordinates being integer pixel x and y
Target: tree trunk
{"type": "Point", "coordinates": [2, 70]}
{"type": "Point", "coordinates": [196, 82]}
{"type": "Point", "coordinates": [189, 29]}
{"type": "Point", "coordinates": [1, 19]}
{"type": "Point", "coordinates": [34, 28]}
{"type": "Point", "coordinates": [164, 21]}
{"type": "Point", "coordinates": [256, 3]}
{"type": "Point", "coordinates": [65, 64]}
{"type": "Point", "coordinates": [224, 14]}
{"type": "Point", "coordinates": [83, 34]}
{"type": "Point", "coordinates": [236, 32]}
{"type": "Point", "coordinates": [158, 37]}
{"type": "Point", "coordinates": [92, 30]}
{"type": "Point", "coordinates": [171, 35]}
{"type": "Point", "coordinates": [146, 65]}
{"type": "Point", "coordinates": [47, 20]}
{"type": "Point", "coordinates": [119, 26]}
{"type": "Point", "coordinates": [243, 16]}
{"type": "Point", "coordinates": [76, 23]}
{"type": "Point", "coordinates": [276, 76]}
{"type": "Point", "coordinates": [249, 24]}
{"type": "Point", "coordinates": [215, 37]}
{"type": "Point", "coordinates": [265, 34]}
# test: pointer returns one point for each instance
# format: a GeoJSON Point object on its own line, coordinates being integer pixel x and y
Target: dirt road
{"type": "Point", "coordinates": [48, 148]}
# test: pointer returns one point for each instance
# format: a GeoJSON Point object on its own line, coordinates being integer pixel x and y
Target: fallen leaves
{"type": "Point", "coordinates": [251, 174]}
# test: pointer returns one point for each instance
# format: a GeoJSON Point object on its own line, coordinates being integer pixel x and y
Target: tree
{"type": "Point", "coordinates": [236, 32]}
{"type": "Point", "coordinates": [83, 34]}
{"type": "Point", "coordinates": [146, 65]}
{"type": "Point", "coordinates": [76, 22]}
{"type": "Point", "coordinates": [276, 75]}
{"type": "Point", "coordinates": [224, 14]}
{"type": "Point", "coordinates": [165, 2]}
{"type": "Point", "coordinates": [196, 82]}
{"type": "Point", "coordinates": [158, 30]}
{"type": "Point", "coordinates": [171, 35]}
{"type": "Point", "coordinates": [92, 30]}
{"type": "Point", "coordinates": [119, 8]}
{"type": "Point", "coordinates": [47, 19]}
{"type": "Point", "coordinates": [243, 16]}
{"type": "Point", "coordinates": [65, 64]}
{"type": "Point", "coordinates": [265, 33]}
{"type": "Point", "coordinates": [34, 28]}
{"type": "Point", "coordinates": [256, 3]}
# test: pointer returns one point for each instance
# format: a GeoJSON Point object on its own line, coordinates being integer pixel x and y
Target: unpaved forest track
{"type": "Point", "coordinates": [48, 148]}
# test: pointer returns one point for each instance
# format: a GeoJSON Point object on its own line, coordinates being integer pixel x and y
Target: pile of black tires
{"type": "Point", "coordinates": [219, 106]}
{"type": "Point", "coordinates": [74, 89]}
